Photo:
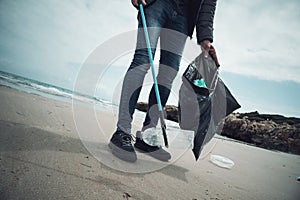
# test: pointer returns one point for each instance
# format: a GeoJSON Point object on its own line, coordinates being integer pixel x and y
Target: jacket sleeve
{"type": "Point", "coordinates": [205, 21]}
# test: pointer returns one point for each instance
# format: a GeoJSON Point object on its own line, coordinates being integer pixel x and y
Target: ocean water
{"type": "Point", "coordinates": [46, 90]}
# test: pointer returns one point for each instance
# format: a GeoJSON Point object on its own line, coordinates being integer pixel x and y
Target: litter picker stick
{"type": "Point", "coordinates": [160, 109]}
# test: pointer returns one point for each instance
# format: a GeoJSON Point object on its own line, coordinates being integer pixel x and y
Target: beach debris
{"type": "Point", "coordinates": [19, 113]}
{"type": "Point", "coordinates": [152, 136]}
{"type": "Point", "coordinates": [126, 195]}
{"type": "Point", "coordinates": [86, 165]}
{"type": "Point", "coordinates": [298, 178]}
{"type": "Point", "coordinates": [221, 161]}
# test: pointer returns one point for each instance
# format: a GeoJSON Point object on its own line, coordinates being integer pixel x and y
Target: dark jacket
{"type": "Point", "coordinates": [201, 15]}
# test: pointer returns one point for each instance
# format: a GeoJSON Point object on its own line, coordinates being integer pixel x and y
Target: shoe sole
{"type": "Point", "coordinates": [122, 154]}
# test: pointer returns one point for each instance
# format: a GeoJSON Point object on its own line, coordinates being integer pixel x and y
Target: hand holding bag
{"type": "Point", "coordinates": [203, 106]}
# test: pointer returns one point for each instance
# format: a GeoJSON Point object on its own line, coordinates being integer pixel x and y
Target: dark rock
{"type": "Point", "coordinates": [170, 111]}
{"type": "Point", "coordinates": [274, 132]}
{"type": "Point", "coordinates": [268, 131]}
{"type": "Point", "coordinates": [142, 106]}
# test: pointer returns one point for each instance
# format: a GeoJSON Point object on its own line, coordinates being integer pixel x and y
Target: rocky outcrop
{"type": "Point", "coordinates": [267, 131]}
{"type": "Point", "coordinates": [274, 132]}
{"type": "Point", "coordinates": [171, 112]}
{"type": "Point", "coordinates": [142, 106]}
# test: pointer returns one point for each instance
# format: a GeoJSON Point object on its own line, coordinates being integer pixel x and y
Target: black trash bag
{"type": "Point", "coordinates": [202, 108]}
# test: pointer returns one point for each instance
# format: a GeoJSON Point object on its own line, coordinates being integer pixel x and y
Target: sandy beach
{"type": "Point", "coordinates": [50, 149]}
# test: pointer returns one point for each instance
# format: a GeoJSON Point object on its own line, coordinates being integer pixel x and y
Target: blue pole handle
{"type": "Point", "coordinates": [150, 57]}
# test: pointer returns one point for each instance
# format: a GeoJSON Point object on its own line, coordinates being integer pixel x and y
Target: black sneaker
{"type": "Point", "coordinates": [154, 151]}
{"type": "Point", "coordinates": [121, 147]}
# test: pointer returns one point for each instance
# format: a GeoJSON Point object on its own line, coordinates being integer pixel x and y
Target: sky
{"type": "Point", "coordinates": [258, 44]}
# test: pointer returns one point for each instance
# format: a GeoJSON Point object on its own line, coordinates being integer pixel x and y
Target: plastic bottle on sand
{"type": "Point", "coordinates": [221, 161]}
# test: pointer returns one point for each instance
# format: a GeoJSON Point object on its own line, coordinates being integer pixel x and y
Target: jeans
{"type": "Point", "coordinates": [172, 29]}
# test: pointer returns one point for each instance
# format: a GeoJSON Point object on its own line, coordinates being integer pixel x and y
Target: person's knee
{"type": "Point", "coordinates": [166, 75]}
{"type": "Point", "coordinates": [141, 60]}
{"type": "Point", "coordinates": [170, 59]}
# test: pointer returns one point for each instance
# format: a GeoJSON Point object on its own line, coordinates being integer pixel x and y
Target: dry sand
{"type": "Point", "coordinates": [42, 156]}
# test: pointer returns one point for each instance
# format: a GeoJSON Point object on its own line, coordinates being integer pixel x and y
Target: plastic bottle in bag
{"type": "Point", "coordinates": [200, 83]}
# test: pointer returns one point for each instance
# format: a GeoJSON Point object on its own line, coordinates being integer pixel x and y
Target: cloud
{"type": "Point", "coordinates": [43, 37]}
{"type": "Point", "coordinates": [259, 38]}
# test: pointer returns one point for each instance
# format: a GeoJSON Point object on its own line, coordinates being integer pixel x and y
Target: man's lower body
{"type": "Point", "coordinates": [164, 23]}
